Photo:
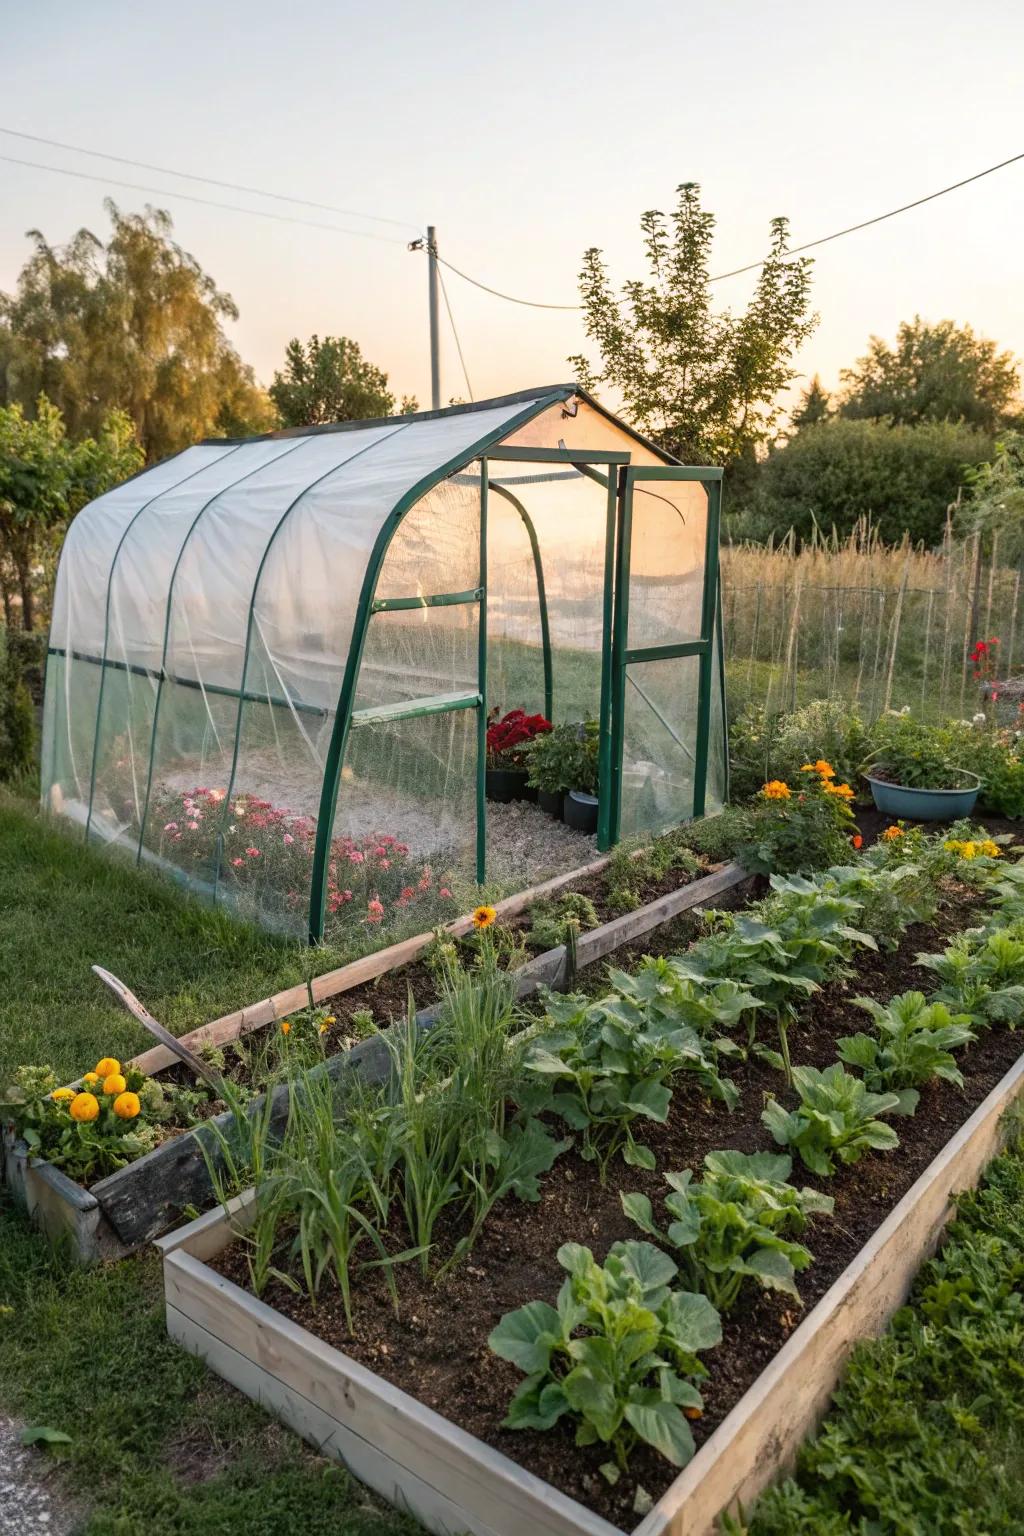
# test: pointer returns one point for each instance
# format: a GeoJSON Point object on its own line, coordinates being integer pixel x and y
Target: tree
{"type": "Point", "coordinates": [815, 406]}
{"type": "Point", "coordinates": [995, 506]}
{"type": "Point", "coordinates": [702, 384]}
{"type": "Point", "coordinates": [939, 372]}
{"type": "Point", "coordinates": [44, 480]}
{"type": "Point", "coordinates": [331, 380]}
{"type": "Point", "coordinates": [899, 478]}
{"type": "Point", "coordinates": [133, 325]}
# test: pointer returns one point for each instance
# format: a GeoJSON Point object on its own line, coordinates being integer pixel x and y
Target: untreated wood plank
{"type": "Point", "coordinates": [231, 1026]}
{"type": "Point", "coordinates": [330, 1437]}
{"type": "Point", "coordinates": [491, 1492]}
{"type": "Point", "coordinates": [758, 1441]}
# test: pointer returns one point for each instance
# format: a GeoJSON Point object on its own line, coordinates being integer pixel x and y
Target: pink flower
{"type": "Point", "coordinates": [384, 864]}
{"type": "Point", "coordinates": [375, 912]}
{"type": "Point", "coordinates": [444, 892]}
{"type": "Point", "coordinates": [407, 892]}
{"type": "Point", "coordinates": [288, 838]}
{"type": "Point", "coordinates": [356, 858]}
{"type": "Point", "coordinates": [253, 853]}
{"type": "Point", "coordinates": [171, 826]}
{"type": "Point", "coordinates": [193, 826]}
{"type": "Point", "coordinates": [236, 862]}
{"type": "Point", "coordinates": [346, 895]}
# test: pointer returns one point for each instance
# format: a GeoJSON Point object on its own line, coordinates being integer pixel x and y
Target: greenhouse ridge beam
{"type": "Point", "coordinates": [158, 675]}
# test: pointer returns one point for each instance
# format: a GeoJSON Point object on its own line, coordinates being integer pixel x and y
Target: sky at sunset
{"type": "Point", "coordinates": [526, 133]}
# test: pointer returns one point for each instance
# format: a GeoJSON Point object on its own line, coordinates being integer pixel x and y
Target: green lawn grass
{"type": "Point", "coordinates": [65, 907]}
{"type": "Point", "coordinates": [159, 1447]}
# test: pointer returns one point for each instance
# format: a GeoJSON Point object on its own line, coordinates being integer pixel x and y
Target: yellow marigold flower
{"type": "Point", "coordinates": [91, 1077]}
{"type": "Point", "coordinates": [990, 849]}
{"type": "Point", "coordinates": [825, 769]}
{"type": "Point", "coordinates": [114, 1084]}
{"type": "Point", "coordinates": [808, 768]}
{"type": "Point", "coordinates": [107, 1065]}
{"type": "Point", "coordinates": [775, 789]}
{"type": "Point", "coordinates": [330, 1019]}
{"type": "Point", "coordinates": [323, 1029]}
{"type": "Point", "coordinates": [62, 1094]}
{"type": "Point", "coordinates": [84, 1106]}
{"type": "Point", "coordinates": [962, 849]}
{"type": "Point", "coordinates": [842, 790]}
{"type": "Point", "coordinates": [483, 917]}
{"type": "Point", "coordinates": [286, 1027]}
{"type": "Point", "coordinates": [892, 833]}
{"type": "Point", "coordinates": [127, 1106]}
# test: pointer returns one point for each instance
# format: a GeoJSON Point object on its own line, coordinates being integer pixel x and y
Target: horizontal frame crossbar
{"type": "Point", "coordinates": [559, 456]}
{"type": "Point", "coordinates": [666, 652]}
{"type": "Point", "coordinates": [413, 709]}
{"type": "Point", "coordinates": [438, 600]}
{"type": "Point", "coordinates": [702, 472]}
{"type": "Point", "coordinates": [158, 674]}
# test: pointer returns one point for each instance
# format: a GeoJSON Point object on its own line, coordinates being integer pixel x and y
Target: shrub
{"type": "Point", "coordinates": [764, 745]}
{"type": "Point", "coordinates": [17, 711]}
{"type": "Point", "coordinates": [901, 479]}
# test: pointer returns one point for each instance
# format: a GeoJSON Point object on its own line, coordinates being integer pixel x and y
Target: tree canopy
{"type": "Point", "coordinates": [940, 372]}
{"type": "Point", "coordinates": [134, 324]}
{"type": "Point", "coordinates": [331, 380]}
{"type": "Point", "coordinates": [899, 478]}
{"type": "Point", "coordinates": [44, 479]}
{"type": "Point", "coordinates": [702, 383]}
{"type": "Point", "coordinates": [815, 406]}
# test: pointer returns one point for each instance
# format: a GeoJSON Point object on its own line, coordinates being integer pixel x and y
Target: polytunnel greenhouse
{"type": "Point", "coordinates": [272, 661]}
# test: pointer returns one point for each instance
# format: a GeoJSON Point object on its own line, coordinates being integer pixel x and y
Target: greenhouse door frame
{"type": "Point", "coordinates": [618, 655]}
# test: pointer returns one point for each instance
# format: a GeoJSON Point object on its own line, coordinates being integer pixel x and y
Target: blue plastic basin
{"type": "Point", "coordinates": [924, 804]}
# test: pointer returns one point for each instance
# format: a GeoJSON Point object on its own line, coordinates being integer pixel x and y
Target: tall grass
{"type": "Point", "coordinates": [881, 626]}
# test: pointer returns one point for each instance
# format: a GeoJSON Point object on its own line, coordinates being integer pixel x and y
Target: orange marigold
{"type": "Point", "coordinates": [775, 789]}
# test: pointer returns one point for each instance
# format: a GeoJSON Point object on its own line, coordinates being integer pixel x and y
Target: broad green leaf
{"type": "Point", "coordinates": [527, 1336]}
{"type": "Point", "coordinates": [664, 1427]}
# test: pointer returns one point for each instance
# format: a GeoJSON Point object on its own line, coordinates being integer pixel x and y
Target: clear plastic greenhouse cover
{"type": "Point", "coordinates": [265, 671]}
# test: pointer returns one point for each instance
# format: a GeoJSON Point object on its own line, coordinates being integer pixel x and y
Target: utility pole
{"type": "Point", "coordinates": [429, 244]}
{"type": "Point", "coordinates": [435, 340]}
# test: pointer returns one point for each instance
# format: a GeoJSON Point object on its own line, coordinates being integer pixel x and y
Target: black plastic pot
{"type": "Point", "coordinates": [550, 802]}
{"type": "Point", "coordinates": [506, 784]}
{"type": "Point", "coordinates": [580, 811]}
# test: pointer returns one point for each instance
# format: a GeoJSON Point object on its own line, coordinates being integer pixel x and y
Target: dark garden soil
{"type": "Point", "coordinates": [437, 1348]}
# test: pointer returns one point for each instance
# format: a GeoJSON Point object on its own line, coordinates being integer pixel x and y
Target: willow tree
{"type": "Point", "coordinates": [132, 324]}
{"type": "Point", "coordinates": [703, 383]}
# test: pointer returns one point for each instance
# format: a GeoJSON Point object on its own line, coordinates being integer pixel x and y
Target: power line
{"type": "Point", "coordinates": [206, 202]}
{"type": "Point", "coordinates": [458, 343]}
{"type": "Point", "coordinates": [879, 218]}
{"type": "Point", "coordinates": [530, 303]}
{"type": "Point", "coordinates": [211, 181]}
{"type": "Point", "coordinates": [753, 266]}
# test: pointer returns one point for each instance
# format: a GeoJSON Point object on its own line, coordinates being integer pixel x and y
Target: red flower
{"type": "Point", "coordinates": [857, 840]}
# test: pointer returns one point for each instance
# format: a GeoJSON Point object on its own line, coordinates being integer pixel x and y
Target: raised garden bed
{"type": "Point", "coordinates": [375, 1399]}
{"type": "Point", "coordinates": [127, 1209]}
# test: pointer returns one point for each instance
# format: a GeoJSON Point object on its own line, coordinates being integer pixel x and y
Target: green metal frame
{"type": "Point", "coordinates": [559, 455]}
{"type": "Point", "coordinates": [481, 666]}
{"type": "Point", "coordinates": [608, 765]}
{"type": "Point", "coordinates": [343, 718]}
{"type": "Point", "coordinates": [542, 598]}
{"type": "Point", "coordinates": [415, 709]}
{"type": "Point", "coordinates": [106, 618]}
{"type": "Point", "coordinates": [623, 657]}
{"type": "Point", "coordinates": [439, 600]}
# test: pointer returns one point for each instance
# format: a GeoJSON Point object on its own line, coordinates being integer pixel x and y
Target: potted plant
{"type": "Point", "coordinates": [911, 773]}
{"type": "Point", "coordinates": [563, 769]}
{"type": "Point", "coordinates": [507, 741]}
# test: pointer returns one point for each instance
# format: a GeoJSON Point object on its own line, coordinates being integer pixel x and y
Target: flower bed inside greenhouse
{"type": "Point", "coordinates": [583, 1242]}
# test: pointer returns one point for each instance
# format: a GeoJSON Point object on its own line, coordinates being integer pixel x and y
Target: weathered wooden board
{"type": "Point", "coordinates": [290, 1372]}
{"type": "Point", "coordinates": [450, 1480]}
{"type": "Point", "coordinates": [255, 1015]}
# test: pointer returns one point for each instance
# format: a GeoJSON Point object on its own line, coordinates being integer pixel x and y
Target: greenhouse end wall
{"type": "Point", "coordinates": [203, 620]}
